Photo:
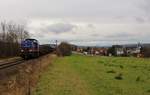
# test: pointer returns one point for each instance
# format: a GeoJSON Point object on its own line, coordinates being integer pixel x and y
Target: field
{"type": "Point", "coordinates": [87, 75]}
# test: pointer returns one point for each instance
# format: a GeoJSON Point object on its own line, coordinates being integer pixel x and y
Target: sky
{"type": "Point", "coordinates": [81, 22]}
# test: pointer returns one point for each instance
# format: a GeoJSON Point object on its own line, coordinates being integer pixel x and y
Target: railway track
{"type": "Point", "coordinates": [10, 64]}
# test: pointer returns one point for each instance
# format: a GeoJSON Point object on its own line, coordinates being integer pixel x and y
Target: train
{"type": "Point", "coordinates": [30, 48]}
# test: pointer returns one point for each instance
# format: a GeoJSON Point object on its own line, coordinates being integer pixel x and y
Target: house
{"type": "Point", "coordinates": [116, 50]}
{"type": "Point", "coordinates": [119, 50]}
{"type": "Point", "coordinates": [100, 51]}
{"type": "Point", "coordinates": [145, 50]}
{"type": "Point", "coordinates": [138, 50]}
{"type": "Point", "coordinates": [133, 49]}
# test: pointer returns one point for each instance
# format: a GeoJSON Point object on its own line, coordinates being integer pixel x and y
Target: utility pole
{"type": "Point", "coordinates": [56, 47]}
{"type": "Point", "coordinates": [56, 43]}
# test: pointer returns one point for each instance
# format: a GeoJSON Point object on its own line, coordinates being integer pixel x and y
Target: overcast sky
{"type": "Point", "coordinates": [82, 22]}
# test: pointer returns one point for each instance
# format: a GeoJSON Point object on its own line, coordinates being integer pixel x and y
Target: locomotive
{"type": "Point", "coordinates": [30, 48]}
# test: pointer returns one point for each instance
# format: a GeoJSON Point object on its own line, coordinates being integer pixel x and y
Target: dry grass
{"type": "Point", "coordinates": [21, 80]}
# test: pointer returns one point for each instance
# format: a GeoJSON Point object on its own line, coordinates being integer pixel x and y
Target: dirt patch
{"type": "Point", "coordinates": [21, 79]}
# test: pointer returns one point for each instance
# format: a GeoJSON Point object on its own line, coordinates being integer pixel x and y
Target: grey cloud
{"type": "Point", "coordinates": [68, 8]}
{"type": "Point", "coordinates": [119, 35]}
{"type": "Point", "coordinates": [60, 28]}
{"type": "Point", "coordinates": [139, 19]}
{"type": "Point", "coordinates": [94, 34]}
{"type": "Point", "coordinates": [91, 26]}
{"type": "Point", "coordinates": [145, 7]}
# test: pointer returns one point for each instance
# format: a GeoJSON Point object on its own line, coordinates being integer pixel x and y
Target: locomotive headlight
{"type": "Point", "coordinates": [22, 50]}
{"type": "Point", "coordinates": [30, 50]}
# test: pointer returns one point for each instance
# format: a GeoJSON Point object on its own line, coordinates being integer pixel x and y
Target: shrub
{"type": "Point", "coordinates": [119, 76]}
{"type": "Point", "coordinates": [146, 51]}
{"type": "Point", "coordinates": [111, 71]}
{"type": "Point", "coordinates": [64, 49]}
{"type": "Point", "coordinates": [138, 78]}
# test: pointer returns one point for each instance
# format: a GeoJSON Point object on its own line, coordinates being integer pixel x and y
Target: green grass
{"type": "Point", "coordinates": [86, 75]}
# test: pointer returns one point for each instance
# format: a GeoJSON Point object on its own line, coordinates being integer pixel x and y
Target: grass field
{"type": "Point", "coordinates": [86, 75]}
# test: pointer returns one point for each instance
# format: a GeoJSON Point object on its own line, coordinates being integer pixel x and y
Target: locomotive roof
{"type": "Point", "coordinates": [31, 39]}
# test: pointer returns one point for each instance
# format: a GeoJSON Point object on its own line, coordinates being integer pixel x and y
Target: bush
{"type": "Point", "coordinates": [9, 49]}
{"type": "Point", "coordinates": [64, 49]}
{"type": "Point", "coordinates": [119, 76]}
{"type": "Point", "coordinates": [111, 71]}
{"type": "Point", "coordinates": [146, 51]}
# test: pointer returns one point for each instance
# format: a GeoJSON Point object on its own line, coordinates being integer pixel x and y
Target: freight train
{"type": "Point", "coordinates": [30, 48]}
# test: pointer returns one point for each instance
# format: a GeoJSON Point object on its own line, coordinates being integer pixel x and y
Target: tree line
{"type": "Point", "coordinates": [11, 35]}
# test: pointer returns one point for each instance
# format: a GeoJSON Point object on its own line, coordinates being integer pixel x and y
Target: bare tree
{"type": "Point", "coordinates": [11, 35]}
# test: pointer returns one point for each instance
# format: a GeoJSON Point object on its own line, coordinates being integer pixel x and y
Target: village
{"type": "Point", "coordinates": [136, 50]}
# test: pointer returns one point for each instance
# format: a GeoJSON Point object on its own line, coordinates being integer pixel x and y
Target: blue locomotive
{"type": "Point", "coordinates": [29, 48]}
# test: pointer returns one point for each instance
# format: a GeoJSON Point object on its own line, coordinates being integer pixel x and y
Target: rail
{"type": "Point", "coordinates": [10, 64]}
